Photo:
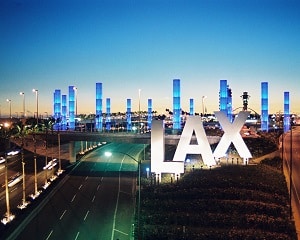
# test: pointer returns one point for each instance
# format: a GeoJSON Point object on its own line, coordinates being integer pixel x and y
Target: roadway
{"type": "Point", "coordinates": [96, 200]}
{"type": "Point", "coordinates": [291, 156]}
{"type": "Point", "coordinates": [14, 167]}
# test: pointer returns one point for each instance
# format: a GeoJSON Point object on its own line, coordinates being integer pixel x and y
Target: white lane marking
{"type": "Point", "coordinates": [86, 178]}
{"type": "Point", "coordinates": [80, 187]}
{"type": "Point", "coordinates": [73, 198]}
{"type": "Point", "coordinates": [117, 202]}
{"type": "Point", "coordinates": [124, 233]}
{"type": "Point", "coordinates": [49, 234]}
{"type": "Point", "coordinates": [87, 213]}
{"type": "Point", "coordinates": [93, 198]}
{"type": "Point", "coordinates": [98, 187]}
{"type": "Point", "coordinates": [14, 189]}
{"type": "Point", "coordinates": [62, 215]}
{"type": "Point", "coordinates": [77, 235]}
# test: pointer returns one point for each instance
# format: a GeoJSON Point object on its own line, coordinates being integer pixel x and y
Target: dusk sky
{"type": "Point", "coordinates": [130, 45]}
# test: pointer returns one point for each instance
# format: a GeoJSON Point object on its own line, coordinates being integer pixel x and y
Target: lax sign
{"type": "Point", "coordinates": [194, 125]}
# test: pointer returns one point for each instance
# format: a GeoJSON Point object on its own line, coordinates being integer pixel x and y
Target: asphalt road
{"type": "Point", "coordinates": [14, 167]}
{"type": "Point", "coordinates": [97, 200]}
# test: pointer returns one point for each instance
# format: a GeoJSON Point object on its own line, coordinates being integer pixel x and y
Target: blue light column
{"type": "Point", "coordinates": [192, 107]}
{"type": "Point", "coordinates": [57, 108]}
{"type": "Point", "coordinates": [286, 116]}
{"type": "Point", "coordinates": [223, 95]}
{"type": "Point", "coordinates": [98, 107]}
{"type": "Point", "coordinates": [264, 107]}
{"type": "Point", "coordinates": [149, 118]}
{"type": "Point", "coordinates": [128, 115]}
{"type": "Point", "coordinates": [71, 108]}
{"type": "Point", "coordinates": [229, 104]}
{"type": "Point", "coordinates": [107, 120]}
{"type": "Point", "coordinates": [64, 112]}
{"type": "Point", "coordinates": [176, 105]}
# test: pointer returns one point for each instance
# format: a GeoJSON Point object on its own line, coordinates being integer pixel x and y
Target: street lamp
{"type": "Point", "coordinates": [8, 216]}
{"type": "Point", "coordinates": [36, 192]}
{"type": "Point", "coordinates": [24, 202]}
{"type": "Point", "coordinates": [203, 107]}
{"type": "Point", "coordinates": [23, 96]}
{"type": "Point", "coordinates": [9, 102]}
{"type": "Point", "coordinates": [139, 130]}
{"type": "Point", "coordinates": [109, 154]}
{"type": "Point", "coordinates": [37, 105]}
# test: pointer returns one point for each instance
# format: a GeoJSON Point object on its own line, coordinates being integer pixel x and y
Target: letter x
{"type": "Point", "coordinates": [232, 135]}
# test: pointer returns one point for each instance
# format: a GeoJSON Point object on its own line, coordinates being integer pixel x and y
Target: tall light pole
{"type": "Point", "coordinates": [8, 216]}
{"type": "Point", "coordinates": [139, 111]}
{"type": "Point", "coordinates": [23, 96]}
{"type": "Point", "coordinates": [9, 102]}
{"type": "Point", "coordinates": [108, 154]}
{"type": "Point", "coordinates": [37, 105]}
{"type": "Point", "coordinates": [24, 202]}
{"type": "Point", "coordinates": [36, 192]}
{"type": "Point", "coordinates": [203, 107]}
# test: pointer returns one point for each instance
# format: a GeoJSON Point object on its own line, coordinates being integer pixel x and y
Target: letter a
{"type": "Point", "coordinates": [194, 124]}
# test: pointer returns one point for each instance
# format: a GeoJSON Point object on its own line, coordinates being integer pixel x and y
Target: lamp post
{"type": "Point", "coordinates": [37, 105]}
{"type": "Point", "coordinates": [9, 102]}
{"type": "Point", "coordinates": [59, 160]}
{"type": "Point", "coordinates": [108, 154]}
{"type": "Point", "coordinates": [24, 202]}
{"type": "Point", "coordinates": [203, 107]}
{"type": "Point", "coordinates": [23, 97]}
{"type": "Point", "coordinates": [139, 130]}
{"type": "Point", "coordinates": [8, 216]}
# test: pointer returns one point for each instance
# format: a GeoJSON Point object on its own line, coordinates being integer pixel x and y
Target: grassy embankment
{"type": "Point", "coordinates": [230, 202]}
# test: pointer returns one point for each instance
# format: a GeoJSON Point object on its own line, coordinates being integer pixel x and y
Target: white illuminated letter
{"type": "Point", "coordinates": [232, 134]}
{"type": "Point", "coordinates": [194, 124]}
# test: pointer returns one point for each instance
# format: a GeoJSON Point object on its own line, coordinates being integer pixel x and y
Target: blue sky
{"type": "Point", "coordinates": [131, 45]}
